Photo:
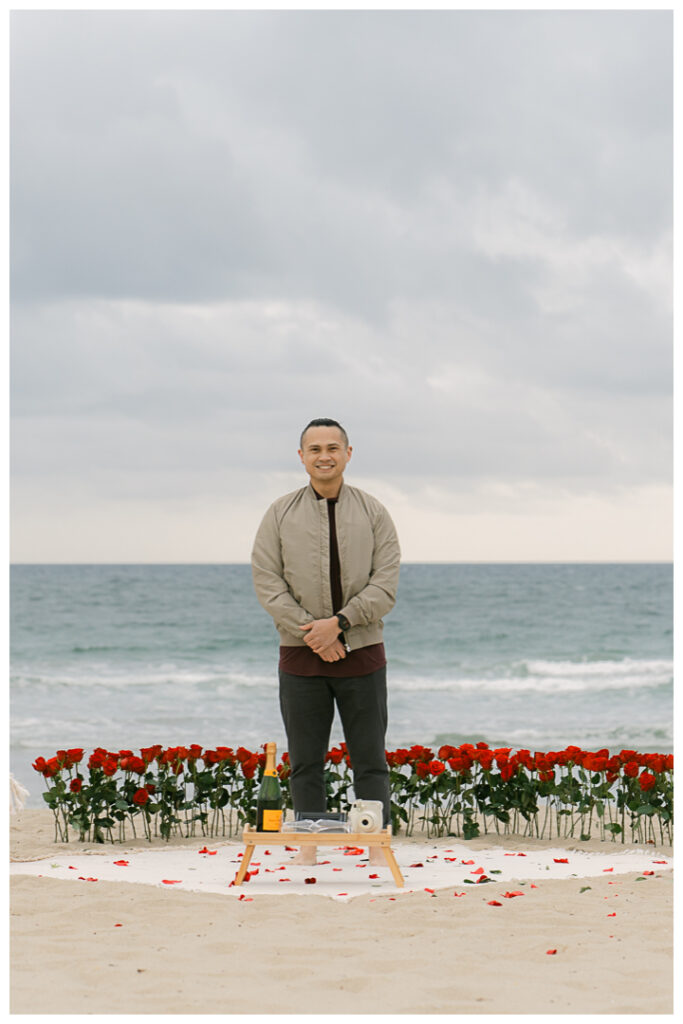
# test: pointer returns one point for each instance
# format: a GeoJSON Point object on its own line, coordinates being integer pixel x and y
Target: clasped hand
{"type": "Point", "coordinates": [322, 636]}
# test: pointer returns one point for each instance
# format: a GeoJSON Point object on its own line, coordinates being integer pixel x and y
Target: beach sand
{"type": "Point", "coordinates": [395, 952]}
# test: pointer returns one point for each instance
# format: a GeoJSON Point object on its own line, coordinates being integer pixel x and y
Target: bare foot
{"type": "Point", "coordinates": [307, 855]}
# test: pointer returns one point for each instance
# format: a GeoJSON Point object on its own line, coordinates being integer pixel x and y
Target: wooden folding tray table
{"type": "Point", "coordinates": [252, 839]}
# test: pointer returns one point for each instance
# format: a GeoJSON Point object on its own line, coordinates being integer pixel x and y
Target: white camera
{"type": "Point", "coordinates": [366, 816]}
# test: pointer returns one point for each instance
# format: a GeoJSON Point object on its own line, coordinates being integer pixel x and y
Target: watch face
{"type": "Point", "coordinates": [343, 621]}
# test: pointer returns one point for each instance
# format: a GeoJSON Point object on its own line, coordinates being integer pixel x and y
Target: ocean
{"type": "Point", "coordinates": [537, 656]}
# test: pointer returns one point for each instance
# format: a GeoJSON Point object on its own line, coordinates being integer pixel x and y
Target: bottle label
{"type": "Point", "coordinates": [272, 820]}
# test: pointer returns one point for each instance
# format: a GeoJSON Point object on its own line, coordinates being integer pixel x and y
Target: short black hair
{"type": "Point", "coordinates": [322, 421]}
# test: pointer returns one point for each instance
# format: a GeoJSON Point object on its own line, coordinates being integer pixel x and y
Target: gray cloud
{"type": "Point", "coordinates": [451, 230]}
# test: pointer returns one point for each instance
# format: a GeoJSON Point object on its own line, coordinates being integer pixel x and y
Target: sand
{"type": "Point", "coordinates": [117, 947]}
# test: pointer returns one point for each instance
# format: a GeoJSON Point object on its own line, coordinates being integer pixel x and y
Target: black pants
{"type": "Point", "coordinates": [307, 705]}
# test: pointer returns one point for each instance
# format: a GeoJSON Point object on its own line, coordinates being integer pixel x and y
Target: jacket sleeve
{"type": "Point", "coordinates": [269, 582]}
{"type": "Point", "coordinates": [379, 595]}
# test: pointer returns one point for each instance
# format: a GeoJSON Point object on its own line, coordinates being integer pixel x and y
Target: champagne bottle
{"type": "Point", "coordinates": [269, 799]}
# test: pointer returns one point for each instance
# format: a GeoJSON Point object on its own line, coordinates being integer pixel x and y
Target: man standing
{"type": "Point", "coordinates": [325, 564]}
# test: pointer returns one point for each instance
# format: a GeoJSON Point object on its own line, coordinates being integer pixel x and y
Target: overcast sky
{"type": "Point", "coordinates": [451, 231]}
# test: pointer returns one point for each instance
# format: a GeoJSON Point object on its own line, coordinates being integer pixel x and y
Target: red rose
{"type": "Point", "coordinates": [75, 755]}
{"type": "Point", "coordinates": [76, 785]}
{"type": "Point", "coordinates": [484, 757]}
{"type": "Point", "coordinates": [151, 788]}
{"type": "Point", "coordinates": [507, 771]}
{"type": "Point", "coordinates": [421, 769]}
{"type": "Point", "coordinates": [109, 766]}
{"type": "Point", "coordinates": [249, 766]}
{"type": "Point", "coordinates": [335, 756]}
{"type": "Point", "coordinates": [631, 769]}
{"type": "Point", "coordinates": [647, 781]}
{"type": "Point", "coordinates": [436, 767]}
{"type": "Point", "coordinates": [141, 796]}
{"type": "Point", "coordinates": [39, 764]}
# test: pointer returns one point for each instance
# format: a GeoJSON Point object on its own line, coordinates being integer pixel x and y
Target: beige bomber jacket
{"type": "Point", "coordinates": [291, 563]}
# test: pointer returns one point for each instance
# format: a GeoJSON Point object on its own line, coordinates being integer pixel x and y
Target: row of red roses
{"type": "Point", "coordinates": [421, 758]}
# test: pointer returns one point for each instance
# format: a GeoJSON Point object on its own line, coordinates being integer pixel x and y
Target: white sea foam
{"type": "Point", "coordinates": [549, 678]}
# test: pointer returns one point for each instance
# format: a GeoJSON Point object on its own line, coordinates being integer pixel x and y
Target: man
{"type": "Point", "coordinates": [325, 564]}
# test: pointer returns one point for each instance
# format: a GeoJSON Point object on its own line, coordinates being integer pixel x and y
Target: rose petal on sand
{"type": "Point", "coordinates": [551, 952]}
{"type": "Point", "coordinates": [561, 860]}
{"type": "Point", "coordinates": [495, 903]}
{"type": "Point", "coordinates": [121, 863]}
{"type": "Point", "coordinates": [310, 881]}
{"type": "Point", "coordinates": [467, 862]}
{"type": "Point", "coordinates": [418, 865]}
{"type": "Point", "coordinates": [118, 926]}
{"type": "Point", "coordinates": [477, 871]}
{"type": "Point", "coordinates": [175, 881]}
{"type": "Point", "coordinates": [613, 914]}
{"type": "Point", "coordinates": [648, 872]}
{"type": "Point", "coordinates": [373, 876]}
{"type": "Point", "coordinates": [515, 892]}
{"type": "Point", "coordinates": [608, 869]}
{"type": "Point", "coordinates": [458, 893]}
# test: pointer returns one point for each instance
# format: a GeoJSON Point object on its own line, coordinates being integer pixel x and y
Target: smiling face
{"type": "Point", "coordinates": [325, 455]}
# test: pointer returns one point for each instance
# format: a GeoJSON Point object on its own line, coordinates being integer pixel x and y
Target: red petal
{"type": "Point", "coordinates": [608, 869]}
{"type": "Point", "coordinates": [171, 881]}
{"type": "Point", "coordinates": [648, 872]}
{"type": "Point", "coordinates": [614, 914]}
{"type": "Point", "coordinates": [121, 863]}
{"type": "Point", "coordinates": [561, 860]}
{"type": "Point", "coordinates": [467, 862]}
{"type": "Point", "coordinates": [310, 881]}
{"type": "Point", "coordinates": [509, 895]}
{"type": "Point", "coordinates": [418, 865]}
{"type": "Point", "coordinates": [373, 876]}
{"type": "Point", "coordinates": [477, 871]}
{"type": "Point", "coordinates": [551, 952]}
{"type": "Point", "coordinates": [495, 903]}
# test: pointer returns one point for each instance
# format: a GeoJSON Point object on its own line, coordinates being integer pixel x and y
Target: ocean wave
{"type": "Point", "coordinates": [158, 676]}
{"type": "Point", "coordinates": [550, 678]}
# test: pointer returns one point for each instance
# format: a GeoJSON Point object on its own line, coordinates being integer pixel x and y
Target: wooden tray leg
{"type": "Point", "coordinates": [239, 877]}
{"type": "Point", "coordinates": [395, 870]}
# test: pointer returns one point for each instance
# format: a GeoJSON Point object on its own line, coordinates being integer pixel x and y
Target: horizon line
{"type": "Point", "coordinates": [550, 561]}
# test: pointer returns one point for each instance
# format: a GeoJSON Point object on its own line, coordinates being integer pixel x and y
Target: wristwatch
{"type": "Point", "coordinates": [344, 623]}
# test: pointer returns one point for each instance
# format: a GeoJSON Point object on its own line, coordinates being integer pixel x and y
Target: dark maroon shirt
{"type": "Point", "coordinates": [302, 661]}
